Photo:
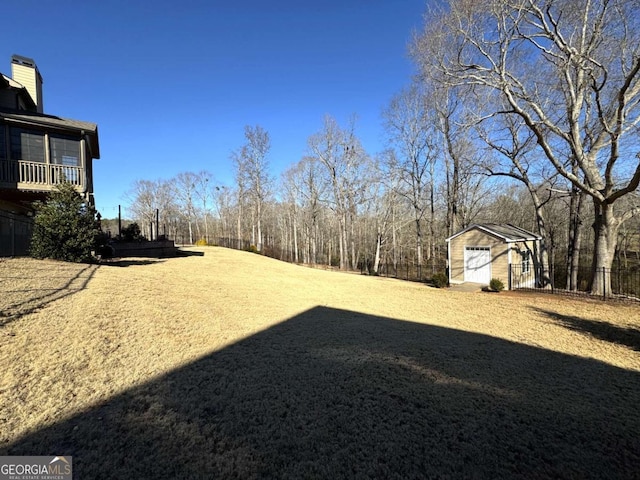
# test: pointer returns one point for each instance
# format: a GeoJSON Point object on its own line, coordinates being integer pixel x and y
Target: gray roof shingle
{"type": "Point", "coordinates": [508, 232]}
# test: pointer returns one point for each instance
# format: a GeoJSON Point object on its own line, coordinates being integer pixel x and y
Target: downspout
{"type": "Point", "coordinates": [83, 160]}
{"type": "Point", "coordinates": [509, 269]}
{"type": "Point", "coordinates": [449, 259]}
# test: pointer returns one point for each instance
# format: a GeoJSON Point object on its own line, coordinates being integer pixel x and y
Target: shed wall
{"type": "Point", "coordinates": [500, 250]}
{"type": "Point", "coordinates": [478, 238]}
{"type": "Point", "coordinates": [522, 278]}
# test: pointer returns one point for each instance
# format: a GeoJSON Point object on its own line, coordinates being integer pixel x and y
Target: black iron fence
{"type": "Point", "coordinates": [616, 283]}
{"type": "Point", "coordinates": [234, 243]}
{"type": "Point", "coordinates": [404, 269]}
{"type": "Point", "coordinates": [15, 234]}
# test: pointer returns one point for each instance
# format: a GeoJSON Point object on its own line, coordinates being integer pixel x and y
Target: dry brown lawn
{"type": "Point", "coordinates": [232, 365]}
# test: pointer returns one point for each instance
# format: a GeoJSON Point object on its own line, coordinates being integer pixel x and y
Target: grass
{"type": "Point", "coordinates": [232, 365]}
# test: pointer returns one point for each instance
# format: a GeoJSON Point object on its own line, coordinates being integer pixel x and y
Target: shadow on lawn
{"type": "Point", "coordinates": [32, 300]}
{"type": "Point", "coordinates": [626, 336]}
{"type": "Point", "coordinates": [128, 262]}
{"type": "Point", "coordinates": [338, 394]}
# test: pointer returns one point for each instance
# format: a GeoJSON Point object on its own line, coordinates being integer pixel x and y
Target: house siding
{"type": "Point", "coordinates": [30, 78]}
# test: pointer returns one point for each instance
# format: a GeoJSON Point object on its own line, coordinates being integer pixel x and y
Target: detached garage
{"type": "Point", "coordinates": [485, 251]}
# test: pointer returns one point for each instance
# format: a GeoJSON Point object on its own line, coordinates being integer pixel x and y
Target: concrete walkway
{"type": "Point", "coordinates": [467, 287]}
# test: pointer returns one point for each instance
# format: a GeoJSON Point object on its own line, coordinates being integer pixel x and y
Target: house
{"type": "Point", "coordinates": [37, 152]}
{"type": "Point", "coordinates": [481, 252]}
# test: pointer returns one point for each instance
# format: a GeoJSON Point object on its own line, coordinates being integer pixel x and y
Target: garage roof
{"type": "Point", "coordinates": [506, 231]}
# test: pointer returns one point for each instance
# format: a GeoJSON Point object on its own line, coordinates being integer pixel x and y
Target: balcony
{"type": "Point", "coordinates": [40, 177]}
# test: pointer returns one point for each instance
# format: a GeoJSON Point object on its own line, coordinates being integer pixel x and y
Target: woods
{"type": "Point", "coordinates": [522, 112]}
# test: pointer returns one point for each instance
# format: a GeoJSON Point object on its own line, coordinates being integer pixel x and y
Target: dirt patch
{"type": "Point", "coordinates": [235, 365]}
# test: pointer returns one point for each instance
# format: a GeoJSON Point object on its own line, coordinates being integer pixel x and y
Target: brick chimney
{"type": "Point", "coordinates": [25, 71]}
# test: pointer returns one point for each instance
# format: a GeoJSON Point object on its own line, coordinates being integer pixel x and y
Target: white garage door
{"type": "Point", "coordinates": [477, 264]}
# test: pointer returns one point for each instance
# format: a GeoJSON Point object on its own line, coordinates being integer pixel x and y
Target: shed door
{"type": "Point", "coordinates": [477, 264]}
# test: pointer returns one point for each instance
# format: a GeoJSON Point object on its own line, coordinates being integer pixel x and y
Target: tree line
{"type": "Point", "coordinates": [522, 112]}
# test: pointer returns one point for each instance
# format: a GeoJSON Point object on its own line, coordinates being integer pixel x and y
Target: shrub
{"type": "Point", "coordinates": [65, 226]}
{"type": "Point", "coordinates": [496, 285]}
{"type": "Point", "coordinates": [440, 280]}
{"type": "Point", "coordinates": [252, 249]}
{"type": "Point", "coordinates": [201, 243]}
{"type": "Point", "coordinates": [132, 233]}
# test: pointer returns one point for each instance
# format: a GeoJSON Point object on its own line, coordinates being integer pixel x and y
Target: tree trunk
{"type": "Point", "coordinates": [376, 262]}
{"type": "Point", "coordinates": [354, 256]}
{"type": "Point", "coordinates": [239, 227]}
{"type": "Point", "coordinates": [394, 240]}
{"type": "Point", "coordinates": [306, 248]}
{"type": "Point", "coordinates": [314, 240]}
{"type": "Point", "coordinates": [418, 242]}
{"type": "Point", "coordinates": [606, 227]}
{"type": "Point", "coordinates": [259, 214]}
{"type": "Point", "coordinates": [206, 227]}
{"type": "Point", "coordinates": [343, 242]}
{"type": "Point", "coordinates": [295, 239]}
{"type": "Point", "coordinates": [575, 239]}
{"type": "Point", "coordinates": [543, 254]}
{"type": "Point", "coordinates": [432, 222]}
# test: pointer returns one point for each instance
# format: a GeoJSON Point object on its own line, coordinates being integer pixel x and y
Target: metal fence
{"type": "Point", "coordinates": [625, 282]}
{"type": "Point", "coordinates": [15, 234]}
{"type": "Point", "coordinates": [234, 243]}
{"type": "Point", "coordinates": [404, 269]}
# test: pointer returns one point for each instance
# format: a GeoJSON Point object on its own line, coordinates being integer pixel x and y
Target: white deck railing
{"type": "Point", "coordinates": [39, 175]}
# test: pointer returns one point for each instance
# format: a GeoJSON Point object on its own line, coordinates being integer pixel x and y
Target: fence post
{"type": "Point", "coordinates": [12, 229]}
{"type": "Point", "coordinates": [604, 284]}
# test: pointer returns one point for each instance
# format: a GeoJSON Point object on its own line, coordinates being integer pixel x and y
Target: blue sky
{"type": "Point", "coordinates": [171, 84]}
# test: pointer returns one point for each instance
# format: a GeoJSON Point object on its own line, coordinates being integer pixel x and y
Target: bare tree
{"type": "Point", "coordinates": [223, 206]}
{"type": "Point", "coordinates": [148, 197]}
{"type": "Point", "coordinates": [571, 71]}
{"type": "Point", "coordinates": [383, 203]}
{"type": "Point", "coordinates": [310, 187]}
{"type": "Point", "coordinates": [184, 187]}
{"type": "Point", "coordinates": [411, 131]}
{"type": "Point", "coordinates": [459, 152]}
{"type": "Point", "coordinates": [204, 192]}
{"type": "Point", "coordinates": [142, 198]}
{"type": "Point", "coordinates": [291, 187]}
{"type": "Point", "coordinates": [252, 176]}
{"type": "Point", "coordinates": [344, 160]}
{"type": "Point", "coordinates": [517, 145]}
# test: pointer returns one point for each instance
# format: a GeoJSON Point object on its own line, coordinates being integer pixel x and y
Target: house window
{"type": "Point", "coordinates": [65, 150]}
{"type": "Point", "coordinates": [27, 145]}
{"type": "Point", "coordinates": [526, 261]}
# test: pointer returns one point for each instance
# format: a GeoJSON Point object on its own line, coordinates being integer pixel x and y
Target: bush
{"type": "Point", "coordinates": [201, 243]}
{"type": "Point", "coordinates": [132, 233]}
{"type": "Point", "coordinates": [440, 280]}
{"type": "Point", "coordinates": [252, 249]}
{"type": "Point", "coordinates": [496, 285]}
{"type": "Point", "coordinates": [65, 227]}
